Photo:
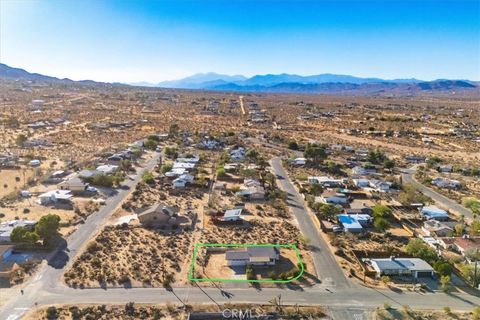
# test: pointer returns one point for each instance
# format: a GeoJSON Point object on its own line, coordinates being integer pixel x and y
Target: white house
{"type": "Point", "coordinates": [182, 180]}
{"type": "Point", "coordinates": [54, 196]}
{"type": "Point", "coordinates": [233, 214]}
{"type": "Point", "coordinates": [332, 197]}
{"type": "Point", "coordinates": [392, 266]}
{"type": "Point", "coordinates": [107, 169]}
{"type": "Point", "coordinates": [299, 161]}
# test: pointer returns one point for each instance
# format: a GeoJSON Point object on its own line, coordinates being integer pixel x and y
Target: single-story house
{"type": "Point", "coordinates": [354, 222]}
{"type": "Point", "coordinates": [467, 244]}
{"type": "Point", "coordinates": [163, 216]}
{"type": "Point", "coordinates": [255, 256]}
{"type": "Point", "coordinates": [299, 161]}
{"type": "Point", "coordinates": [233, 214]}
{"type": "Point", "coordinates": [175, 172]}
{"type": "Point", "coordinates": [184, 165]}
{"type": "Point", "coordinates": [436, 228]}
{"type": "Point", "coordinates": [194, 159]}
{"type": "Point", "coordinates": [380, 185]}
{"type": "Point", "coordinates": [253, 193]}
{"type": "Point", "coordinates": [107, 168]}
{"type": "Point", "coordinates": [248, 183]}
{"type": "Point", "coordinates": [393, 266]}
{"type": "Point", "coordinates": [7, 227]}
{"type": "Point", "coordinates": [74, 184]}
{"type": "Point", "coordinates": [446, 183]}
{"type": "Point", "coordinates": [238, 154]}
{"type": "Point", "coordinates": [361, 183]}
{"type": "Point", "coordinates": [54, 196]}
{"type": "Point", "coordinates": [326, 181]}
{"type": "Point", "coordinates": [182, 181]}
{"type": "Point", "coordinates": [332, 197]}
{"type": "Point", "coordinates": [435, 213]}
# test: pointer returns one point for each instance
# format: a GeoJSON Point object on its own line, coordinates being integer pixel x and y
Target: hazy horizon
{"type": "Point", "coordinates": [155, 41]}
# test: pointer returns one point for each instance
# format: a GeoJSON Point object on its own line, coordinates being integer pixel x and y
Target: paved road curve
{"type": "Point", "coordinates": [407, 177]}
{"type": "Point", "coordinates": [326, 266]}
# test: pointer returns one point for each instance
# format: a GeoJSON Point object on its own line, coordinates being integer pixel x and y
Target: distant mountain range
{"type": "Point", "coordinates": [278, 83]}
{"type": "Point", "coordinates": [321, 83]}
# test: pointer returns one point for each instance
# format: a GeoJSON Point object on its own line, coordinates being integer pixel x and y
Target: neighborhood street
{"type": "Point", "coordinates": [327, 268]}
{"type": "Point", "coordinates": [408, 177]}
{"type": "Point", "coordinates": [343, 298]}
{"type": "Point", "coordinates": [49, 274]}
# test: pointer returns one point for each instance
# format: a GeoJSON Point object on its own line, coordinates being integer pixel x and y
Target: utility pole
{"type": "Point", "coordinates": [475, 272]}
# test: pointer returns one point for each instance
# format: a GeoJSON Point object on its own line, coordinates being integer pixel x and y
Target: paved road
{"type": "Point", "coordinates": [408, 177]}
{"type": "Point", "coordinates": [343, 300]}
{"type": "Point", "coordinates": [49, 275]}
{"type": "Point", "coordinates": [326, 266]}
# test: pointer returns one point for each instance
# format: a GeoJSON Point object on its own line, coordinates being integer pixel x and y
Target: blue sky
{"type": "Point", "coordinates": [130, 41]}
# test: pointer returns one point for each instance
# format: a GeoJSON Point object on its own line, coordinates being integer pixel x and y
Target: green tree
{"type": "Point", "coordinates": [23, 234]}
{"type": "Point", "coordinates": [445, 283]}
{"type": "Point", "coordinates": [475, 228]}
{"type": "Point", "coordinates": [419, 249]}
{"type": "Point", "coordinates": [315, 152]}
{"type": "Point", "coordinates": [472, 204]}
{"type": "Point", "coordinates": [443, 268]}
{"type": "Point", "coordinates": [220, 171]}
{"type": "Point", "coordinates": [381, 224]}
{"type": "Point", "coordinates": [166, 167]}
{"type": "Point", "coordinates": [147, 177]}
{"type": "Point", "coordinates": [381, 211]}
{"type": "Point", "coordinates": [389, 164]}
{"type": "Point", "coordinates": [327, 210]}
{"type": "Point", "coordinates": [150, 144]}
{"type": "Point", "coordinates": [47, 227]}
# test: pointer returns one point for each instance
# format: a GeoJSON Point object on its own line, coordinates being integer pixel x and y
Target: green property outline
{"type": "Point", "coordinates": [199, 245]}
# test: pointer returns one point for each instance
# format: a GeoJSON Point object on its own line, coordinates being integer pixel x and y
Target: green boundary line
{"type": "Point", "coordinates": [197, 246]}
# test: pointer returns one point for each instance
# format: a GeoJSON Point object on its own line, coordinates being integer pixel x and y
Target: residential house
{"type": "Point", "coordinates": [86, 173]}
{"type": "Point", "coordinates": [436, 228]}
{"type": "Point", "coordinates": [354, 223]}
{"type": "Point", "coordinates": [7, 227]}
{"type": "Point", "coordinates": [445, 168]}
{"type": "Point", "coordinates": [164, 217]}
{"type": "Point", "coordinates": [253, 256]}
{"type": "Point", "coordinates": [233, 214]}
{"type": "Point", "coordinates": [34, 163]}
{"type": "Point", "coordinates": [55, 196]}
{"type": "Point", "coordinates": [435, 213]}
{"type": "Point", "coordinates": [446, 183]}
{"type": "Point", "coordinates": [325, 181]}
{"type": "Point", "coordinates": [466, 245]}
{"type": "Point", "coordinates": [380, 185]}
{"type": "Point", "coordinates": [299, 161]}
{"type": "Point", "coordinates": [252, 193]}
{"type": "Point", "coordinates": [393, 266]}
{"type": "Point", "coordinates": [361, 183]}
{"type": "Point", "coordinates": [107, 169]}
{"type": "Point", "coordinates": [333, 197]}
{"type": "Point", "coordinates": [182, 181]}
{"type": "Point", "coordinates": [74, 184]}
{"type": "Point", "coordinates": [362, 171]}
{"type": "Point", "coordinates": [238, 154]}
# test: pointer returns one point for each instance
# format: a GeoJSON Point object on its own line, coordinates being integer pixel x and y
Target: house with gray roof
{"type": "Point", "coordinates": [252, 256]}
{"type": "Point", "coordinates": [393, 266]}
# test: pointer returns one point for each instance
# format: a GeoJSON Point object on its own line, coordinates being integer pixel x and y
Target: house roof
{"type": "Point", "coordinates": [233, 213]}
{"type": "Point", "coordinates": [434, 212]}
{"type": "Point", "coordinates": [467, 244]}
{"type": "Point", "coordinates": [411, 264]}
{"type": "Point", "coordinates": [252, 253]}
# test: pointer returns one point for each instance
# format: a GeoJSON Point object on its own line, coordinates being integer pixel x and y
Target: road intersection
{"type": "Point", "coordinates": [344, 298]}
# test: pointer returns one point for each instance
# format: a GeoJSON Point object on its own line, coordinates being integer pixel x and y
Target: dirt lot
{"type": "Point", "coordinates": [132, 257]}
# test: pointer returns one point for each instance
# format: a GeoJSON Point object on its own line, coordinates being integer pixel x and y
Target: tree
{"type": "Point", "coordinates": [327, 210]}
{"type": "Point", "coordinates": [376, 156]}
{"type": "Point", "coordinates": [381, 211]}
{"type": "Point", "coordinates": [381, 224]}
{"type": "Point", "coordinates": [443, 268]}
{"type": "Point", "coordinates": [47, 226]}
{"type": "Point", "coordinates": [419, 249]}
{"type": "Point", "coordinates": [147, 177]}
{"type": "Point", "coordinates": [220, 171]}
{"type": "Point", "coordinates": [23, 234]}
{"type": "Point", "coordinates": [445, 283]}
{"type": "Point", "coordinates": [315, 152]}
{"type": "Point", "coordinates": [472, 204]}
{"type": "Point", "coordinates": [410, 195]}
{"type": "Point", "coordinates": [150, 144]}
{"type": "Point", "coordinates": [389, 164]}
{"type": "Point", "coordinates": [385, 280]}
{"type": "Point", "coordinates": [166, 167]}
{"type": "Point", "coordinates": [251, 154]}
{"type": "Point", "coordinates": [293, 145]}
{"type": "Point", "coordinates": [468, 272]}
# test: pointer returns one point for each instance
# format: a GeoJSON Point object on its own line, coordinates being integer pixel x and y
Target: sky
{"type": "Point", "coordinates": [138, 40]}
